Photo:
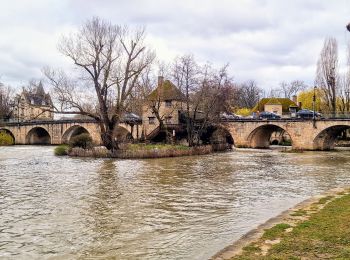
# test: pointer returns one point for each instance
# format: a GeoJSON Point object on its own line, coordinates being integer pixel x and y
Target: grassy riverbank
{"type": "Point", "coordinates": [319, 231]}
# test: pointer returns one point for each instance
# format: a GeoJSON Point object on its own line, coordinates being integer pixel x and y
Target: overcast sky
{"type": "Point", "coordinates": [268, 41]}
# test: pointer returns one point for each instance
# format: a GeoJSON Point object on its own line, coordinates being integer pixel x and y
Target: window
{"type": "Point", "coordinates": [168, 120]}
{"type": "Point", "coordinates": [152, 120]}
{"type": "Point", "coordinates": [168, 103]}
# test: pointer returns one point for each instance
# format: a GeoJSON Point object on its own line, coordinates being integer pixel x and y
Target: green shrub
{"type": "Point", "coordinates": [6, 138]}
{"type": "Point", "coordinates": [62, 150]}
{"type": "Point", "coordinates": [83, 140]}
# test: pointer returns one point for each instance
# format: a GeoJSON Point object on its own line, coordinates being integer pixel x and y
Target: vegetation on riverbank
{"type": "Point", "coordinates": [142, 151]}
{"type": "Point", "coordinates": [6, 138]}
{"type": "Point", "coordinates": [320, 231]}
{"type": "Point", "coordinates": [160, 151]}
{"type": "Point", "coordinates": [61, 150]}
{"type": "Point", "coordinates": [82, 146]}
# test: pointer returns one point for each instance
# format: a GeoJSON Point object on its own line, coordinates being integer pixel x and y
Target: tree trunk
{"type": "Point", "coordinates": [108, 140]}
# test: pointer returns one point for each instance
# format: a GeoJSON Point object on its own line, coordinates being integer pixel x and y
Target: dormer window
{"type": "Point", "coordinates": [168, 103]}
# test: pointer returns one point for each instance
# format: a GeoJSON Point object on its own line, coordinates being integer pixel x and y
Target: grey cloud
{"type": "Point", "coordinates": [267, 40]}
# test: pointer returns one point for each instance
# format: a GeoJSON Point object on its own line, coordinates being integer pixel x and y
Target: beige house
{"type": "Point", "coordinates": [33, 105]}
{"type": "Point", "coordinates": [279, 106]}
{"type": "Point", "coordinates": [273, 106]}
{"type": "Point", "coordinates": [164, 103]}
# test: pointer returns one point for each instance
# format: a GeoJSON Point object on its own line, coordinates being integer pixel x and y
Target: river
{"type": "Point", "coordinates": [171, 208]}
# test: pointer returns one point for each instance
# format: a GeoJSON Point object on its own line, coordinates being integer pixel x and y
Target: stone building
{"type": "Point", "coordinates": [33, 105]}
{"type": "Point", "coordinates": [168, 101]}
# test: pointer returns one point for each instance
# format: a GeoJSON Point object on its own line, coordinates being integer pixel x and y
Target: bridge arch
{"type": "Point", "coordinates": [73, 131]}
{"type": "Point", "coordinates": [122, 134]}
{"type": "Point", "coordinates": [38, 135]}
{"type": "Point", "coordinates": [7, 131]}
{"type": "Point", "coordinates": [325, 140]}
{"type": "Point", "coordinates": [260, 137]}
{"type": "Point", "coordinates": [221, 139]}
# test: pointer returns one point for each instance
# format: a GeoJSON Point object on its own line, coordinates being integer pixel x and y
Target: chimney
{"type": "Point", "coordinates": [160, 80]}
{"type": "Point", "coordinates": [299, 104]}
{"type": "Point", "coordinates": [295, 99]}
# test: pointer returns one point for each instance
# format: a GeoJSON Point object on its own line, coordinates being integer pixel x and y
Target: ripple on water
{"type": "Point", "coordinates": [171, 208]}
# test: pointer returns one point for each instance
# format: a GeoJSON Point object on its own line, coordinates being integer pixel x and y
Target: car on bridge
{"type": "Point", "coordinates": [308, 114]}
{"type": "Point", "coordinates": [229, 116]}
{"type": "Point", "coordinates": [268, 115]}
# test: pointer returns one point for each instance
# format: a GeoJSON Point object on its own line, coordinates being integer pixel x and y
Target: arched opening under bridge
{"type": "Point", "coordinates": [328, 138]}
{"type": "Point", "coordinates": [72, 132]}
{"type": "Point", "coordinates": [38, 135]}
{"type": "Point", "coordinates": [266, 135]}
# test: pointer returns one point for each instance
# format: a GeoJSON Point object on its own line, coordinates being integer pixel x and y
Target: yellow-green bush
{"type": "Point", "coordinates": [6, 138]}
{"type": "Point", "coordinates": [62, 149]}
{"type": "Point", "coordinates": [243, 111]}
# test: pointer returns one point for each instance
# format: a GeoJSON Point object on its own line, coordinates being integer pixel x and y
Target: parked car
{"type": "Point", "coordinates": [228, 116]}
{"type": "Point", "coordinates": [268, 115]}
{"type": "Point", "coordinates": [308, 114]}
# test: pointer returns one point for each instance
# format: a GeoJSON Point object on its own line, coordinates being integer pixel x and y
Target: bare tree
{"type": "Point", "coordinates": [6, 95]}
{"type": "Point", "coordinates": [212, 97]}
{"type": "Point", "coordinates": [327, 73]}
{"type": "Point", "coordinates": [207, 93]}
{"type": "Point", "coordinates": [110, 59]}
{"type": "Point", "coordinates": [292, 88]}
{"type": "Point", "coordinates": [249, 94]}
{"type": "Point", "coordinates": [344, 88]}
{"type": "Point", "coordinates": [185, 73]}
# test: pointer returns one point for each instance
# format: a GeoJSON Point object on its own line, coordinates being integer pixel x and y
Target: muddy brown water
{"type": "Point", "coordinates": [171, 208]}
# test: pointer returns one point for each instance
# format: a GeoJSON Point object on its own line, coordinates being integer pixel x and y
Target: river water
{"type": "Point", "coordinates": [172, 208]}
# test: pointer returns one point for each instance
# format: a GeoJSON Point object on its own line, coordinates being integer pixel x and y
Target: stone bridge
{"type": "Point", "coordinates": [60, 131]}
{"type": "Point", "coordinates": [305, 134]}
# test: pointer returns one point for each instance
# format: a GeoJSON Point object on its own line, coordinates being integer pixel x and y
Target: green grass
{"type": "Point", "coordinates": [252, 248]}
{"type": "Point", "coordinates": [299, 213]}
{"type": "Point", "coordinates": [275, 232]}
{"type": "Point", "coordinates": [325, 235]}
{"type": "Point", "coordinates": [325, 199]}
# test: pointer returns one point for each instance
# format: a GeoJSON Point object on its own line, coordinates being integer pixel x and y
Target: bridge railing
{"type": "Point", "coordinates": [59, 121]}
{"type": "Point", "coordinates": [336, 116]}
{"type": "Point", "coordinates": [339, 117]}
{"type": "Point", "coordinates": [33, 122]}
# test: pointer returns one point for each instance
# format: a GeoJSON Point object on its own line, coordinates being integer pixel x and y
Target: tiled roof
{"type": "Point", "coordinates": [38, 97]}
{"type": "Point", "coordinates": [166, 91]}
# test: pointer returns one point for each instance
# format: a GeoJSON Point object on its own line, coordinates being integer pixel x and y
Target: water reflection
{"type": "Point", "coordinates": [171, 208]}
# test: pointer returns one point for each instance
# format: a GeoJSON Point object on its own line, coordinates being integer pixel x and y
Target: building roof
{"type": "Point", "coordinates": [37, 96]}
{"type": "Point", "coordinates": [166, 90]}
{"type": "Point", "coordinates": [285, 102]}
{"type": "Point", "coordinates": [273, 101]}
